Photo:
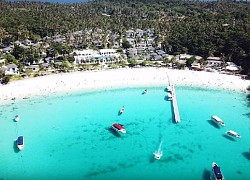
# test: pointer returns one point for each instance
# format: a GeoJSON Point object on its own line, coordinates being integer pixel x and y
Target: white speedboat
{"type": "Point", "coordinates": [118, 127]}
{"type": "Point", "coordinates": [145, 91]}
{"type": "Point", "coordinates": [216, 172]}
{"type": "Point", "coordinates": [20, 142]}
{"type": "Point", "coordinates": [218, 120]}
{"type": "Point", "coordinates": [158, 154]}
{"type": "Point", "coordinates": [17, 118]}
{"type": "Point", "coordinates": [122, 110]}
{"type": "Point", "coordinates": [170, 88]}
{"type": "Point", "coordinates": [233, 133]}
{"type": "Point", "coordinates": [170, 96]}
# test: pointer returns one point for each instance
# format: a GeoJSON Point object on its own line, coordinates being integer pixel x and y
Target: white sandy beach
{"type": "Point", "coordinates": [106, 79]}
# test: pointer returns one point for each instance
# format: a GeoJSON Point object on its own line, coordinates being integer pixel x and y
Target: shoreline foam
{"type": "Point", "coordinates": [118, 78]}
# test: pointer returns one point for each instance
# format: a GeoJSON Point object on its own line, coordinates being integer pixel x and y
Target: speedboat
{"type": "Point", "coordinates": [216, 172]}
{"type": "Point", "coordinates": [170, 88]}
{"type": "Point", "coordinates": [17, 118]}
{"type": "Point", "coordinates": [233, 133]}
{"type": "Point", "coordinates": [170, 96]}
{"type": "Point", "coordinates": [122, 110]}
{"type": "Point", "coordinates": [158, 154]}
{"type": "Point", "coordinates": [20, 142]}
{"type": "Point", "coordinates": [145, 91]}
{"type": "Point", "coordinates": [218, 120]}
{"type": "Point", "coordinates": [118, 127]}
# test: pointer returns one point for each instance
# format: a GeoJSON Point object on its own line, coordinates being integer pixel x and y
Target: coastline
{"type": "Point", "coordinates": [118, 78]}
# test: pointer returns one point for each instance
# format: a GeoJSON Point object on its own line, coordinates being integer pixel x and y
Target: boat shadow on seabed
{"type": "Point", "coordinates": [212, 123]}
{"type": "Point", "coordinates": [115, 133]}
{"type": "Point", "coordinates": [206, 175]}
{"type": "Point", "coordinates": [246, 155]}
{"type": "Point", "coordinates": [228, 137]}
{"type": "Point", "coordinates": [16, 150]}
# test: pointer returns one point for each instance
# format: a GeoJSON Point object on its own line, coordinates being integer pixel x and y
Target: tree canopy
{"type": "Point", "coordinates": [219, 28]}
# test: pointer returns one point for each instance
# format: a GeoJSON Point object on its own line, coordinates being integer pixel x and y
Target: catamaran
{"type": "Point", "coordinates": [158, 154]}
{"type": "Point", "coordinates": [218, 120]}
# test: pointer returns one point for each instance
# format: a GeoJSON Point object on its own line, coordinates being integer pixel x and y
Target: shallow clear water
{"type": "Point", "coordinates": [68, 136]}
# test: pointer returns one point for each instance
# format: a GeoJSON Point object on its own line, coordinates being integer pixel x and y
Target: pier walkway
{"type": "Point", "coordinates": [175, 106]}
{"type": "Point", "coordinates": [174, 102]}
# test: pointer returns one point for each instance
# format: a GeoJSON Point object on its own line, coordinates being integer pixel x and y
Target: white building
{"type": "Point", "coordinates": [214, 61]}
{"type": "Point", "coordinates": [92, 56]}
{"type": "Point", "coordinates": [11, 69]}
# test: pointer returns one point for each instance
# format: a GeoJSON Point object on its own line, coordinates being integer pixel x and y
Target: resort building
{"type": "Point", "coordinates": [91, 56]}
{"type": "Point", "coordinates": [10, 69]}
{"type": "Point", "coordinates": [230, 66]}
{"type": "Point", "coordinates": [34, 67]}
{"type": "Point", "coordinates": [214, 61]}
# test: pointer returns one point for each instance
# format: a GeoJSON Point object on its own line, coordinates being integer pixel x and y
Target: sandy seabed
{"type": "Point", "coordinates": [118, 78]}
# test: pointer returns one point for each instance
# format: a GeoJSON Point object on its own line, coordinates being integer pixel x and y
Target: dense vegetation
{"type": "Point", "coordinates": [199, 28]}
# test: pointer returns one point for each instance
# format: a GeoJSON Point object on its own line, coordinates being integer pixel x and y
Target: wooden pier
{"type": "Point", "coordinates": [175, 106]}
{"type": "Point", "coordinates": [174, 101]}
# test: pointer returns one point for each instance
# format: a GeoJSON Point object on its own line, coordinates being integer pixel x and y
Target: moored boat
{"type": "Point", "coordinates": [158, 154]}
{"type": "Point", "coordinates": [170, 88]}
{"type": "Point", "coordinates": [118, 127]}
{"type": "Point", "coordinates": [218, 120]}
{"type": "Point", "coordinates": [20, 142]}
{"type": "Point", "coordinates": [17, 118]}
{"type": "Point", "coordinates": [216, 172]}
{"type": "Point", "coordinates": [145, 91]}
{"type": "Point", "coordinates": [170, 96]}
{"type": "Point", "coordinates": [233, 133]}
{"type": "Point", "coordinates": [122, 110]}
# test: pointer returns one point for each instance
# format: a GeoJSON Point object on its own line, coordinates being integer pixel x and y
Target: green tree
{"type": "Point", "coordinates": [190, 61]}
{"type": "Point", "coordinates": [10, 59]}
{"type": "Point", "coordinates": [125, 44]}
{"type": "Point", "coordinates": [6, 79]}
{"type": "Point", "coordinates": [132, 62]}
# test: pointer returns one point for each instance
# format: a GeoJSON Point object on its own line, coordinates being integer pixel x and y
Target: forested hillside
{"type": "Point", "coordinates": [199, 28]}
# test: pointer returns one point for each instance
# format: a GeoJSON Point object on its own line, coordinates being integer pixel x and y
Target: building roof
{"type": "Point", "coordinates": [11, 66]}
{"type": "Point", "coordinates": [213, 59]}
{"type": "Point", "coordinates": [107, 50]}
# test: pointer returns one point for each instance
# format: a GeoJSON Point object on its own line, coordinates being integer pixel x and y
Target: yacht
{"type": "Point", "coordinates": [118, 127]}
{"type": "Point", "coordinates": [218, 120]}
{"type": "Point", "coordinates": [158, 154]}
{"type": "Point", "coordinates": [216, 172]}
{"type": "Point", "coordinates": [233, 133]}
{"type": "Point", "coordinates": [20, 142]}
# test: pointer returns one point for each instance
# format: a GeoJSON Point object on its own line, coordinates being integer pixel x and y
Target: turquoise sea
{"type": "Point", "coordinates": [68, 136]}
